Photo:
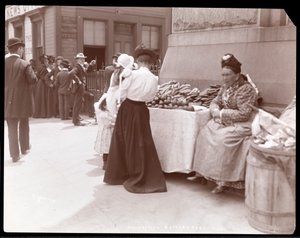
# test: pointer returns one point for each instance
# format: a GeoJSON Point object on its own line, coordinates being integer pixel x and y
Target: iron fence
{"type": "Point", "coordinates": [96, 82]}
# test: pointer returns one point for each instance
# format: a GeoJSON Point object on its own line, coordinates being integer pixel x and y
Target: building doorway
{"type": "Point", "coordinates": [95, 53]}
{"type": "Point", "coordinates": [123, 38]}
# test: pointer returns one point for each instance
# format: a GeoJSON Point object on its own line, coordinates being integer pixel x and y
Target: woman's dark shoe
{"type": "Point", "coordinates": [198, 179]}
{"type": "Point", "coordinates": [79, 124]}
{"type": "Point", "coordinates": [104, 161]}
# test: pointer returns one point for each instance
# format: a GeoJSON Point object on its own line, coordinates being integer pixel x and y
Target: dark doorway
{"type": "Point", "coordinates": [95, 53]}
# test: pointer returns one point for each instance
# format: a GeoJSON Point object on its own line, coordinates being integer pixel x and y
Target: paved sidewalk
{"type": "Point", "coordinates": [58, 187]}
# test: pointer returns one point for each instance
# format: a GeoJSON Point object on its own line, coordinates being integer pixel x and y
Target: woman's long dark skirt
{"type": "Point", "coordinates": [133, 160]}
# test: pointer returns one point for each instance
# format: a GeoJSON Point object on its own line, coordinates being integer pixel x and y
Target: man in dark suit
{"type": "Point", "coordinates": [78, 75]}
{"type": "Point", "coordinates": [19, 77]}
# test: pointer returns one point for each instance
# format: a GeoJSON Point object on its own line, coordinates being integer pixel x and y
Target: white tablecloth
{"type": "Point", "coordinates": [174, 133]}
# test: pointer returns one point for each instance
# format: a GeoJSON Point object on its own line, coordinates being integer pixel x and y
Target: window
{"type": "Point", "coordinates": [18, 32]}
{"type": "Point", "coordinates": [37, 39]}
{"type": "Point", "coordinates": [151, 37]}
{"type": "Point", "coordinates": [94, 33]}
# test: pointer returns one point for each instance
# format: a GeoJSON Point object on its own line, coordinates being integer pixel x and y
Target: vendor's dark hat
{"type": "Point", "coordinates": [65, 63]}
{"type": "Point", "coordinates": [142, 50]}
{"type": "Point", "coordinates": [228, 60]}
{"type": "Point", "coordinates": [14, 41]}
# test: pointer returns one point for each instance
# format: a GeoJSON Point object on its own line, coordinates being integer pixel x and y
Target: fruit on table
{"type": "Point", "coordinates": [173, 95]}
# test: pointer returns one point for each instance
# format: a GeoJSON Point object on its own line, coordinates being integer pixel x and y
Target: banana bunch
{"type": "Point", "coordinates": [173, 88]}
{"type": "Point", "coordinates": [173, 95]}
{"type": "Point", "coordinates": [206, 96]}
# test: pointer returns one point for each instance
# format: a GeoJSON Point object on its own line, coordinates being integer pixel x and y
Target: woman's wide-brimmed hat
{"type": "Point", "coordinates": [80, 56]}
{"type": "Point", "coordinates": [126, 61]}
{"type": "Point", "coordinates": [142, 50]}
{"type": "Point", "coordinates": [14, 41]}
{"type": "Point", "coordinates": [230, 61]}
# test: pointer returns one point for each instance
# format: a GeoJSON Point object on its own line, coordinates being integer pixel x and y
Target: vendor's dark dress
{"type": "Point", "coordinates": [41, 94]}
{"type": "Point", "coordinates": [133, 160]}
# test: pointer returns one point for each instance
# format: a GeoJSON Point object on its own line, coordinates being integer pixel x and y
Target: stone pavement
{"type": "Point", "coordinates": [58, 187]}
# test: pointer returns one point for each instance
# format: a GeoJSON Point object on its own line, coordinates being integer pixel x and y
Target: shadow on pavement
{"type": "Point", "coordinates": [97, 171]}
{"type": "Point", "coordinates": [96, 160]}
{"type": "Point", "coordinates": [9, 163]}
{"type": "Point", "coordinates": [43, 120]}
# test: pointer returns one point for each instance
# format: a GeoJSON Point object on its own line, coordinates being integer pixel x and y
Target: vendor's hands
{"type": "Point", "coordinates": [216, 113]}
{"type": "Point", "coordinates": [93, 62]}
{"type": "Point", "coordinates": [217, 120]}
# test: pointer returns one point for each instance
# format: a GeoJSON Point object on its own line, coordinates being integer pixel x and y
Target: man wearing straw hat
{"type": "Point", "coordinates": [19, 77]}
{"type": "Point", "coordinates": [78, 75]}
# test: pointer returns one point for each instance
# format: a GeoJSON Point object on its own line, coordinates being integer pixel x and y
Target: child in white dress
{"type": "Point", "coordinates": [105, 129]}
{"type": "Point", "coordinates": [107, 107]}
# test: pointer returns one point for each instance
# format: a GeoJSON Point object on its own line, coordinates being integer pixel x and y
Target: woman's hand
{"type": "Point", "coordinates": [216, 113]}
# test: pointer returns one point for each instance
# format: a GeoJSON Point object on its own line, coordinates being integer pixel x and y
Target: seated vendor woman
{"type": "Point", "coordinates": [223, 143]}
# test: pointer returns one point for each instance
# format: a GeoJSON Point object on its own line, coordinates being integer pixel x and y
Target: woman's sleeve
{"type": "Point", "coordinates": [124, 87]}
{"type": "Point", "coordinates": [151, 87]}
{"type": "Point", "coordinates": [245, 96]}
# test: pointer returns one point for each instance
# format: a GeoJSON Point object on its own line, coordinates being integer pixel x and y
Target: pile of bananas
{"type": "Point", "coordinates": [172, 95]}
{"type": "Point", "coordinates": [207, 95]}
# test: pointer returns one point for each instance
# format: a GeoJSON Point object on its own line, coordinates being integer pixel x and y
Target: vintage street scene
{"type": "Point", "coordinates": [149, 120]}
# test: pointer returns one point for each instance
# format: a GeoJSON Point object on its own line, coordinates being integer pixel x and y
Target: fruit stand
{"type": "Point", "coordinates": [177, 113]}
{"type": "Point", "coordinates": [174, 133]}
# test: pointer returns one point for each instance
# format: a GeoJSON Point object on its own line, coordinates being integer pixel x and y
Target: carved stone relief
{"type": "Point", "coordinates": [193, 19]}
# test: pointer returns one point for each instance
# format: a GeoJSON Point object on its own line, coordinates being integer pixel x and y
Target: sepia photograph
{"type": "Point", "coordinates": [149, 120]}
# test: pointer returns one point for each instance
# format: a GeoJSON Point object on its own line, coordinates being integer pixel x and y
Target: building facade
{"type": "Point", "coordinates": [98, 32]}
{"type": "Point", "coordinates": [263, 40]}
{"type": "Point", "coordinates": [189, 41]}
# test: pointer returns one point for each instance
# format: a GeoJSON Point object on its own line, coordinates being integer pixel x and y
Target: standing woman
{"type": "Point", "coordinates": [52, 91]}
{"type": "Point", "coordinates": [132, 159]}
{"type": "Point", "coordinates": [41, 91]}
{"type": "Point", "coordinates": [222, 145]}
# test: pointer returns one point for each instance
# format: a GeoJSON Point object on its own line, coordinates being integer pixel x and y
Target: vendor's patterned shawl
{"type": "Point", "coordinates": [235, 101]}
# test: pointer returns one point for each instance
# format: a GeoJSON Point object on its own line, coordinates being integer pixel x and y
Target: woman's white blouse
{"type": "Point", "coordinates": [140, 86]}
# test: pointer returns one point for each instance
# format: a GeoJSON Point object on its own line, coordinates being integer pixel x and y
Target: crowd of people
{"type": "Point", "coordinates": [124, 138]}
{"type": "Point", "coordinates": [48, 99]}
{"type": "Point", "coordinates": [53, 89]}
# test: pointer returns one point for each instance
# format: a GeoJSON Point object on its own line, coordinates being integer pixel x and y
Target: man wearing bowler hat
{"type": "Point", "coordinates": [78, 75]}
{"type": "Point", "coordinates": [19, 77]}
